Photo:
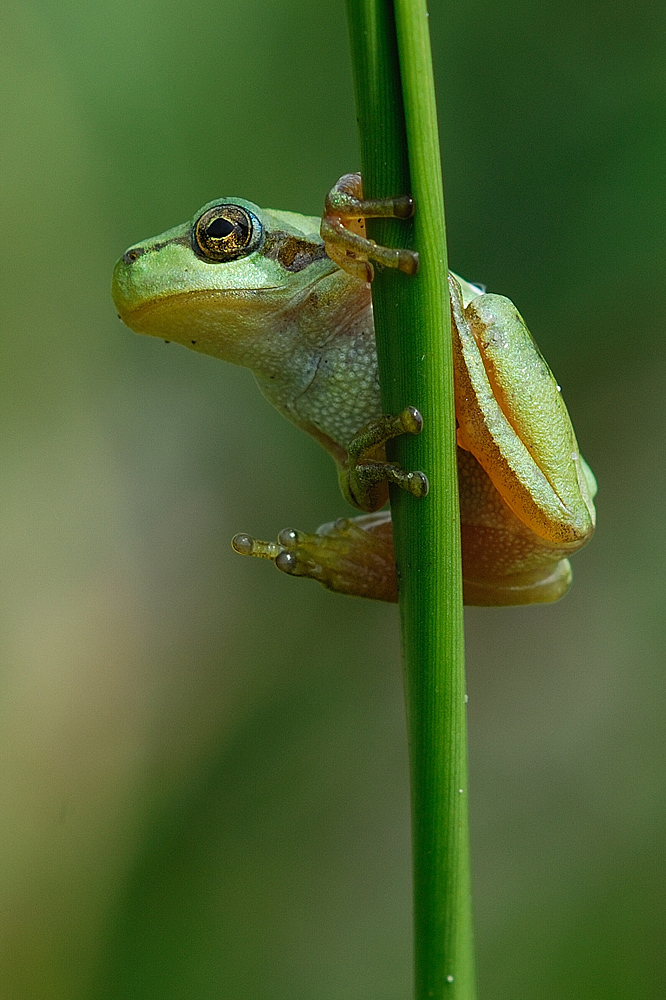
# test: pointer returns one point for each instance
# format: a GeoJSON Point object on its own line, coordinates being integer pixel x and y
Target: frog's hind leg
{"type": "Point", "coordinates": [355, 556]}
{"type": "Point", "coordinates": [504, 562]}
{"type": "Point", "coordinates": [343, 229]}
{"type": "Point", "coordinates": [526, 589]}
{"type": "Point", "coordinates": [512, 418]}
{"type": "Point", "coordinates": [351, 555]}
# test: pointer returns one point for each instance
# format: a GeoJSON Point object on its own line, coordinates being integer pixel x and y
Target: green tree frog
{"type": "Point", "coordinates": [288, 296]}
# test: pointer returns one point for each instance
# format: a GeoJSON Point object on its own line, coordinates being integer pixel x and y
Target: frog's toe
{"type": "Point", "coordinates": [297, 555]}
{"type": "Point", "coordinates": [411, 420]}
{"type": "Point", "coordinates": [246, 545]}
{"type": "Point", "coordinates": [417, 484]}
{"type": "Point", "coordinates": [290, 553]}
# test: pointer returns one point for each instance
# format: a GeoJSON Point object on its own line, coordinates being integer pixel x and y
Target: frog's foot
{"type": "Point", "coordinates": [365, 473]}
{"type": "Point", "coordinates": [343, 229]}
{"type": "Point", "coordinates": [351, 555]}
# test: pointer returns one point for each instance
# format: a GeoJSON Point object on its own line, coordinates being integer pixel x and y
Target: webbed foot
{"type": "Point", "coordinates": [351, 555]}
{"type": "Point", "coordinates": [343, 229]}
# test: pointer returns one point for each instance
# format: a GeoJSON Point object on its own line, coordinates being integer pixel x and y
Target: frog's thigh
{"type": "Point", "coordinates": [503, 561]}
{"type": "Point", "coordinates": [503, 385]}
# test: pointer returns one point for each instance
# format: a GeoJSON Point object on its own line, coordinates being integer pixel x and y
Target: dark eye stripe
{"type": "Point", "coordinates": [292, 252]}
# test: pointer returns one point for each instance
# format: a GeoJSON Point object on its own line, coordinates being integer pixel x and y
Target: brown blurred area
{"type": "Point", "coordinates": [203, 778]}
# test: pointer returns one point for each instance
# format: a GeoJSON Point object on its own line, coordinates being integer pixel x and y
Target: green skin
{"type": "Point", "coordinates": [280, 306]}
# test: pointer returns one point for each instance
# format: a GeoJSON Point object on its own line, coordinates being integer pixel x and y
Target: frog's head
{"type": "Point", "coordinates": [216, 282]}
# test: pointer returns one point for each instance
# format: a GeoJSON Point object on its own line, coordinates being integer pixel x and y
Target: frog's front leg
{"type": "Point", "coordinates": [350, 555]}
{"type": "Point", "coordinates": [365, 473]}
{"type": "Point", "coordinates": [343, 229]}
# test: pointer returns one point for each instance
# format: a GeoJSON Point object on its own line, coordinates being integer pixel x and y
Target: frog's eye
{"type": "Point", "coordinates": [225, 232]}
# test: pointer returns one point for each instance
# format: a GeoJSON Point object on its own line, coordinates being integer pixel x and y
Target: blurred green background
{"type": "Point", "coordinates": [203, 777]}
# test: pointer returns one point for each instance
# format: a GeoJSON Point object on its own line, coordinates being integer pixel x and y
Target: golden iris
{"type": "Point", "coordinates": [225, 232]}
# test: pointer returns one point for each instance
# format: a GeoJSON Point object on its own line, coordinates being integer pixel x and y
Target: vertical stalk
{"type": "Point", "coordinates": [400, 153]}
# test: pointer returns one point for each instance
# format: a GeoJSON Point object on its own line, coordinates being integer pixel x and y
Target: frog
{"type": "Point", "coordinates": [289, 297]}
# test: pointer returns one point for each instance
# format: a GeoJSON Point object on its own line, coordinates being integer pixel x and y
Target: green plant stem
{"type": "Point", "coordinates": [400, 153]}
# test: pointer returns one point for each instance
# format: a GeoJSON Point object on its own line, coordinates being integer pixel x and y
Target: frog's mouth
{"type": "Point", "coordinates": [160, 313]}
{"type": "Point", "coordinates": [156, 313]}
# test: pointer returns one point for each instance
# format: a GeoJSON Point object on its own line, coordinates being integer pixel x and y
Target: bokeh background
{"type": "Point", "coordinates": [203, 775]}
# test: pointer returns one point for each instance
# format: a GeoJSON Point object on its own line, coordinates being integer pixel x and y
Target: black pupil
{"type": "Point", "coordinates": [220, 228]}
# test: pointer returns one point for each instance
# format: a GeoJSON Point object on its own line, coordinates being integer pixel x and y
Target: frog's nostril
{"type": "Point", "coordinates": [131, 255]}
